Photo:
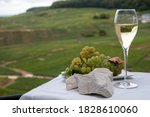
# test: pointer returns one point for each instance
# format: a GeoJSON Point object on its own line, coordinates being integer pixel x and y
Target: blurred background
{"type": "Point", "coordinates": [39, 38]}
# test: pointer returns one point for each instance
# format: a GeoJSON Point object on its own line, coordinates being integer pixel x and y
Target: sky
{"type": "Point", "coordinates": [13, 7]}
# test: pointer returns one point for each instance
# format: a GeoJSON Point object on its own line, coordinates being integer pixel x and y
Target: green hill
{"type": "Point", "coordinates": [64, 32]}
{"type": "Point", "coordinates": [54, 18]}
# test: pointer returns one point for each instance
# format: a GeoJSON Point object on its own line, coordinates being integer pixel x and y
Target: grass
{"type": "Point", "coordinates": [5, 71]}
{"type": "Point", "coordinates": [53, 55]}
{"type": "Point", "coordinates": [53, 18]}
{"type": "Point", "coordinates": [22, 85]}
{"type": "Point", "coordinates": [2, 79]}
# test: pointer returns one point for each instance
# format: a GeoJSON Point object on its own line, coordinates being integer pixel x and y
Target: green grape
{"type": "Point", "coordinates": [76, 61]}
{"type": "Point", "coordinates": [91, 49]}
{"type": "Point", "coordinates": [105, 63]}
{"type": "Point", "coordinates": [94, 61]}
{"type": "Point", "coordinates": [87, 52]}
{"type": "Point", "coordinates": [109, 65]}
{"type": "Point", "coordinates": [93, 58]}
{"type": "Point", "coordinates": [97, 57]}
{"type": "Point", "coordinates": [116, 69]}
{"type": "Point", "coordinates": [96, 54]}
{"type": "Point", "coordinates": [90, 59]}
{"type": "Point", "coordinates": [71, 66]}
{"type": "Point", "coordinates": [108, 57]}
{"type": "Point", "coordinates": [97, 60]}
{"type": "Point", "coordinates": [85, 48]}
{"type": "Point", "coordinates": [88, 69]}
{"type": "Point", "coordinates": [102, 56]}
{"type": "Point", "coordinates": [90, 62]}
{"type": "Point", "coordinates": [83, 70]}
{"type": "Point", "coordinates": [76, 68]}
{"type": "Point", "coordinates": [84, 65]}
{"type": "Point", "coordinates": [82, 55]}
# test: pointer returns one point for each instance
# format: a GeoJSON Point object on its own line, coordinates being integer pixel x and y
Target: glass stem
{"type": "Point", "coordinates": [125, 63]}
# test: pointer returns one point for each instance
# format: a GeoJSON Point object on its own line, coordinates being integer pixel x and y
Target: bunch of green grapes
{"type": "Point", "coordinates": [89, 60]}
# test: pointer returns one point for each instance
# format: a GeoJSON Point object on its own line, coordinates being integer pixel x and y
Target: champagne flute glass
{"type": "Point", "coordinates": [126, 25]}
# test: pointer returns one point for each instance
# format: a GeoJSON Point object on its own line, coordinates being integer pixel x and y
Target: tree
{"type": "Point", "coordinates": [136, 4]}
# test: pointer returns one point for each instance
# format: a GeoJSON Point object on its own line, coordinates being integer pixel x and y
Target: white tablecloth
{"type": "Point", "coordinates": [56, 90]}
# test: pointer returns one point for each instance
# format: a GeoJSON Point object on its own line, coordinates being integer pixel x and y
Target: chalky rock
{"type": "Point", "coordinates": [95, 83]}
{"type": "Point", "coordinates": [71, 83]}
{"type": "Point", "coordinates": [105, 71]}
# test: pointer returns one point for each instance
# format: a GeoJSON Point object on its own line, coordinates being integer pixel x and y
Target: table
{"type": "Point", "coordinates": [56, 90]}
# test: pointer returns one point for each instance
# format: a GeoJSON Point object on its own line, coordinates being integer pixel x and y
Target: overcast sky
{"type": "Point", "coordinates": [12, 7]}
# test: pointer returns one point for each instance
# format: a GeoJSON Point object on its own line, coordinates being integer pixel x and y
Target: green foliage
{"type": "Point", "coordinates": [88, 33]}
{"type": "Point", "coordinates": [101, 16]}
{"type": "Point", "coordinates": [136, 4]}
{"type": "Point", "coordinates": [102, 33]}
{"type": "Point", "coordinates": [37, 9]}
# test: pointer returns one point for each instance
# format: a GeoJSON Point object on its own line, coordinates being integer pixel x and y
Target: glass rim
{"type": "Point", "coordinates": [126, 10]}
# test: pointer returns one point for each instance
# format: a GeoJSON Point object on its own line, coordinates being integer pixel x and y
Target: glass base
{"type": "Point", "coordinates": [125, 85]}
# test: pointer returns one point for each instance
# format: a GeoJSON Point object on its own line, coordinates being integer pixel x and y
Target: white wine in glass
{"type": "Point", "coordinates": [126, 25]}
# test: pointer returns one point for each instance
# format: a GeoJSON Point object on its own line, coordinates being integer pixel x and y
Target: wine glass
{"type": "Point", "coordinates": [126, 25]}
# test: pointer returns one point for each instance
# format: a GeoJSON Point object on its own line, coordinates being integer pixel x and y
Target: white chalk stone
{"type": "Point", "coordinates": [105, 71]}
{"type": "Point", "coordinates": [96, 82]}
{"type": "Point", "coordinates": [71, 83]}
